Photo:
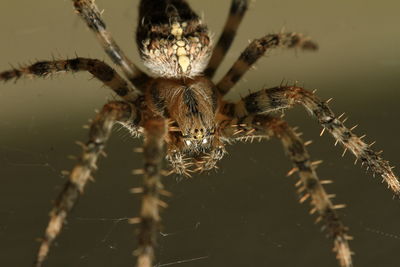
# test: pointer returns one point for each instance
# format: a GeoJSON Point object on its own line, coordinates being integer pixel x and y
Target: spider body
{"type": "Point", "coordinates": [183, 117]}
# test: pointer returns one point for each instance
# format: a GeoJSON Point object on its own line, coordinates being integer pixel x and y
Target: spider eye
{"type": "Point", "coordinates": [205, 141]}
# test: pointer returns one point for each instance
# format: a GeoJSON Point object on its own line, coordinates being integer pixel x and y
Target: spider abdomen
{"type": "Point", "coordinates": [172, 40]}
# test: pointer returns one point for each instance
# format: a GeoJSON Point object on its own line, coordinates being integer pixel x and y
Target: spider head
{"type": "Point", "coordinates": [173, 42]}
{"type": "Point", "coordinates": [198, 138]}
{"type": "Point", "coordinates": [190, 104]}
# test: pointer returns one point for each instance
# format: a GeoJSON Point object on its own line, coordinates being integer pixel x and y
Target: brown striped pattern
{"type": "Point", "coordinates": [310, 186]}
{"type": "Point", "coordinates": [98, 135]}
{"type": "Point", "coordinates": [97, 68]}
{"type": "Point", "coordinates": [236, 13]}
{"type": "Point", "coordinates": [90, 13]}
{"type": "Point", "coordinates": [154, 154]}
{"type": "Point", "coordinates": [256, 49]}
{"type": "Point", "coordinates": [278, 98]}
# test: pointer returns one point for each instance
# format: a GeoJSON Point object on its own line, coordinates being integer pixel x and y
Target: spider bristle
{"type": "Point", "coordinates": [136, 190]}
{"type": "Point", "coordinates": [352, 128]}
{"type": "Point", "coordinates": [339, 206]}
{"type": "Point", "coordinates": [355, 161]}
{"type": "Point", "coordinates": [298, 183]}
{"type": "Point", "coordinates": [341, 115]}
{"type": "Point", "coordinates": [318, 220]}
{"type": "Point", "coordinates": [304, 198]}
{"type": "Point", "coordinates": [345, 119]}
{"type": "Point", "coordinates": [86, 126]}
{"type": "Point", "coordinates": [251, 131]}
{"type": "Point", "coordinates": [362, 136]}
{"type": "Point", "coordinates": [138, 172]}
{"type": "Point", "coordinates": [72, 157]}
{"type": "Point", "coordinates": [81, 144]}
{"type": "Point", "coordinates": [313, 210]}
{"type": "Point", "coordinates": [134, 220]}
{"type": "Point", "coordinates": [299, 134]}
{"type": "Point", "coordinates": [165, 173]}
{"type": "Point", "coordinates": [165, 193]}
{"type": "Point", "coordinates": [138, 150]}
{"type": "Point", "coordinates": [330, 196]}
{"type": "Point", "coordinates": [162, 204]}
{"type": "Point", "coordinates": [301, 190]}
{"type": "Point", "coordinates": [65, 173]}
{"type": "Point", "coordinates": [344, 152]}
{"type": "Point", "coordinates": [170, 172]}
{"type": "Point", "coordinates": [307, 143]}
{"type": "Point", "coordinates": [326, 182]}
{"type": "Point", "coordinates": [336, 142]}
{"type": "Point", "coordinates": [103, 153]}
{"type": "Point", "coordinates": [329, 100]}
{"type": "Point", "coordinates": [316, 163]}
{"type": "Point", "coordinates": [370, 145]}
{"type": "Point", "coordinates": [174, 129]}
{"type": "Point", "coordinates": [322, 132]}
{"type": "Point", "coordinates": [238, 132]}
{"type": "Point", "coordinates": [292, 171]}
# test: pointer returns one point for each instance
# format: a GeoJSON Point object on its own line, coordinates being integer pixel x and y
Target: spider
{"type": "Point", "coordinates": [184, 118]}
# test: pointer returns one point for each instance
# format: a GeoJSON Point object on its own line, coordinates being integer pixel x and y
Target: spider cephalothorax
{"type": "Point", "coordinates": [191, 105]}
{"type": "Point", "coordinates": [183, 117]}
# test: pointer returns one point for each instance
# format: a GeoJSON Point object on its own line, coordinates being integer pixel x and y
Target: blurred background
{"type": "Point", "coordinates": [245, 214]}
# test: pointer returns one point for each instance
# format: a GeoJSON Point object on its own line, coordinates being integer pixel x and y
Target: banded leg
{"type": "Point", "coordinates": [256, 49]}
{"type": "Point", "coordinates": [97, 68]}
{"type": "Point", "coordinates": [309, 184]}
{"type": "Point", "coordinates": [236, 13]}
{"type": "Point", "coordinates": [89, 12]}
{"type": "Point", "coordinates": [154, 154]}
{"type": "Point", "coordinates": [278, 98]}
{"type": "Point", "coordinates": [98, 135]}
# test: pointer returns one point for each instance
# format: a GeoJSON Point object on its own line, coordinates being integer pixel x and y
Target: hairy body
{"type": "Point", "coordinates": [183, 117]}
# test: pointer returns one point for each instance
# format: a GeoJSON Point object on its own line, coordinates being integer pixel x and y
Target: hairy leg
{"type": "Point", "coordinates": [154, 154]}
{"type": "Point", "coordinates": [97, 68]}
{"type": "Point", "coordinates": [89, 12]}
{"type": "Point", "coordinates": [100, 130]}
{"type": "Point", "coordinates": [236, 13]}
{"type": "Point", "coordinates": [309, 185]}
{"type": "Point", "coordinates": [256, 49]}
{"type": "Point", "coordinates": [278, 98]}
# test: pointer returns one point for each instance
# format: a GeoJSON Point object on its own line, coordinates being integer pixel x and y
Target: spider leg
{"type": "Point", "coordinates": [154, 154]}
{"type": "Point", "coordinates": [264, 126]}
{"type": "Point", "coordinates": [236, 13]}
{"type": "Point", "coordinates": [97, 68]}
{"type": "Point", "coordinates": [278, 98]}
{"type": "Point", "coordinates": [256, 49]}
{"type": "Point", "coordinates": [90, 13]}
{"type": "Point", "coordinates": [100, 130]}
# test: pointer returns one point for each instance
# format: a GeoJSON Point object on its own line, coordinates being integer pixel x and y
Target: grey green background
{"type": "Point", "coordinates": [247, 213]}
